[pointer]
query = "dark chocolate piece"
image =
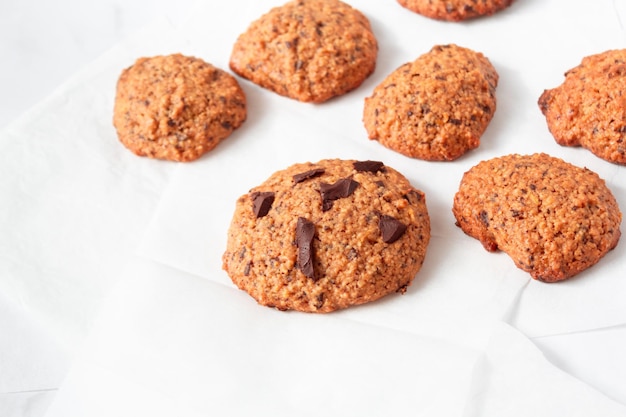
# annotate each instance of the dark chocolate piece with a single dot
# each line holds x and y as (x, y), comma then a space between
(341, 189)
(413, 197)
(369, 166)
(484, 218)
(307, 175)
(320, 301)
(262, 203)
(305, 231)
(390, 228)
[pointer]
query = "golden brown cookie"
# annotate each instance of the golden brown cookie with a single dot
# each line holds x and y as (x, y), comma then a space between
(176, 107)
(455, 10)
(589, 108)
(552, 218)
(318, 237)
(309, 50)
(436, 107)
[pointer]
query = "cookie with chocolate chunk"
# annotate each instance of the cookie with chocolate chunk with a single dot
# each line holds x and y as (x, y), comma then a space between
(317, 237)
(308, 50)
(436, 107)
(455, 10)
(552, 218)
(589, 108)
(176, 107)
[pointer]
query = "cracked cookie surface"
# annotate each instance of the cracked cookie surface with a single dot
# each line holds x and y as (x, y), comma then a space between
(308, 50)
(589, 108)
(436, 107)
(318, 237)
(552, 218)
(176, 107)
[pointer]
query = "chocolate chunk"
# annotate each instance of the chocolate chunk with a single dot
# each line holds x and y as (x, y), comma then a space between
(390, 228)
(262, 203)
(320, 301)
(369, 166)
(402, 289)
(341, 189)
(484, 218)
(307, 175)
(413, 197)
(305, 231)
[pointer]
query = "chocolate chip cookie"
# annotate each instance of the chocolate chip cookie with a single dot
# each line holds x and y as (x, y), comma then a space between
(308, 50)
(589, 108)
(552, 218)
(436, 107)
(318, 237)
(176, 107)
(455, 10)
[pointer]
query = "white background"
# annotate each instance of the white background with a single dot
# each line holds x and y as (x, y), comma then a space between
(42, 44)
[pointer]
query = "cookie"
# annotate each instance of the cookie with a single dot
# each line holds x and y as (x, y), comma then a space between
(455, 10)
(436, 107)
(318, 237)
(176, 107)
(308, 50)
(589, 108)
(552, 218)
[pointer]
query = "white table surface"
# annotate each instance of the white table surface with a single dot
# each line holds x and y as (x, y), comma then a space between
(42, 44)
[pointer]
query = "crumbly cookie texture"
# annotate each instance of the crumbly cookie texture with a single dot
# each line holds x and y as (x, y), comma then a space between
(308, 50)
(436, 107)
(552, 218)
(589, 108)
(176, 107)
(317, 237)
(455, 10)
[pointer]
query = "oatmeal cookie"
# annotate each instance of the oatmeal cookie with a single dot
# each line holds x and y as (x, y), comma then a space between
(589, 108)
(176, 107)
(318, 237)
(308, 50)
(455, 10)
(552, 218)
(436, 107)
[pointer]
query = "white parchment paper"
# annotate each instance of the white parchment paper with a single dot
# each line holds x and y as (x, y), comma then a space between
(169, 343)
(73, 202)
(531, 44)
(82, 218)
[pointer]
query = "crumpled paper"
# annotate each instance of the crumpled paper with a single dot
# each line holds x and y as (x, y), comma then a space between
(177, 337)
(170, 343)
(75, 203)
(459, 279)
